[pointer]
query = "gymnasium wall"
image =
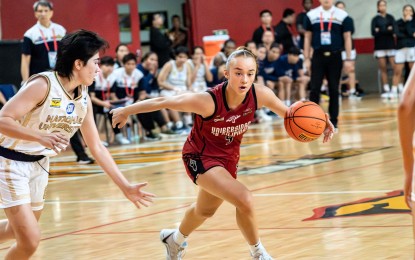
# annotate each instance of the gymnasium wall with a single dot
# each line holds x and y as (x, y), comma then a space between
(96, 15)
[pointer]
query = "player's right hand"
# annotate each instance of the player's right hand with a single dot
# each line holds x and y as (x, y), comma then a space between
(119, 119)
(54, 141)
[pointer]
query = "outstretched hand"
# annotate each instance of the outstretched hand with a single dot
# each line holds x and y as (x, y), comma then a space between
(119, 118)
(139, 197)
(329, 131)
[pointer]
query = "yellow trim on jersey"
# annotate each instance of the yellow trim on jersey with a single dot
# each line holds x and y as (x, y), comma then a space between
(25, 122)
(66, 92)
(47, 92)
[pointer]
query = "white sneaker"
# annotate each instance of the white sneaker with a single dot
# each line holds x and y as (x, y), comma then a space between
(385, 95)
(119, 138)
(174, 251)
(261, 255)
(263, 117)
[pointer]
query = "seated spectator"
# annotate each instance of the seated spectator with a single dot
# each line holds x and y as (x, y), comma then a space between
(228, 47)
(266, 25)
(252, 46)
(127, 79)
(218, 74)
(268, 39)
(177, 34)
(120, 51)
(289, 70)
(200, 70)
(102, 92)
(267, 73)
(174, 79)
(148, 88)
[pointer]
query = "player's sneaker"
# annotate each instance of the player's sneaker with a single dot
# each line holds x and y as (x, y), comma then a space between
(261, 255)
(174, 251)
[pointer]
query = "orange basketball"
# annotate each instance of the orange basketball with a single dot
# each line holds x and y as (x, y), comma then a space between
(305, 121)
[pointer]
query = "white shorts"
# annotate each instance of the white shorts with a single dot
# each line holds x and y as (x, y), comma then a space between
(352, 55)
(170, 93)
(384, 53)
(405, 55)
(23, 183)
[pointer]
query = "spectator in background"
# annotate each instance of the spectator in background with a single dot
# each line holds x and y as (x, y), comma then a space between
(120, 51)
(39, 50)
(266, 25)
(405, 47)
(127, 78)
(268, 39)
(228, 47)
(40, 42)
(160, 42)
(267, 73)
(177, 34)
(200, 70)
(328, 33)
(383, 29)
(284, 30)
(147, 89)
(102, 92)
(351, 74)
(252, 47)
(174, 79)
(289, 71)
(307, 5)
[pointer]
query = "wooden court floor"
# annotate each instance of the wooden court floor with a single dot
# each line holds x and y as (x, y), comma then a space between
(340, 200)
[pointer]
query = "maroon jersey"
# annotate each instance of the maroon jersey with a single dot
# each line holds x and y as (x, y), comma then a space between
(220, 135)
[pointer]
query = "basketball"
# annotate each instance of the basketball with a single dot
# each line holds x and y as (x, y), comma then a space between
(305, 121)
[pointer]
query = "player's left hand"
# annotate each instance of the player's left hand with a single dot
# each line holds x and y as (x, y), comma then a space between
(119, 118)
(329, 131)
(137, 196)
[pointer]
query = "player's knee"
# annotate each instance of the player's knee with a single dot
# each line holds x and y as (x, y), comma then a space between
(246, 203)
(28, 242)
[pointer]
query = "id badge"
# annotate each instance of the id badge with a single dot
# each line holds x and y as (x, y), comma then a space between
(129, 101)
(52, 59)
(106, 110)
(325, 38)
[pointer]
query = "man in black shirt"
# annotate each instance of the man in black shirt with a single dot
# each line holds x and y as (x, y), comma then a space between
(160, 42)
(266, 25)
(307, 4)
(328, 32)
(284, 30)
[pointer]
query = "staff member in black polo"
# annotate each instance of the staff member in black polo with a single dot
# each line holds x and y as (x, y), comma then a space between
(328, 32)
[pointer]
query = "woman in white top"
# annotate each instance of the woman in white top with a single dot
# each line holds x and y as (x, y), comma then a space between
(175, 78)
(200, 70)
(54, 105)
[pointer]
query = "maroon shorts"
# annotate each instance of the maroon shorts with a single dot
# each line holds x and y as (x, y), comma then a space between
(196, 164)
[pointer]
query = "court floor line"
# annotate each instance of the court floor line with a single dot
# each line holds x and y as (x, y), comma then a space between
(236, 229)
(184, 206)
(194, 197)
(324, 174)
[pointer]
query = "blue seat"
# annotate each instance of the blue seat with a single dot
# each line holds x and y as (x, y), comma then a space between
(8, 90)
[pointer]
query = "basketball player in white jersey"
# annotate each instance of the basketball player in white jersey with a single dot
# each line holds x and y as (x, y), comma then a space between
(36, 124)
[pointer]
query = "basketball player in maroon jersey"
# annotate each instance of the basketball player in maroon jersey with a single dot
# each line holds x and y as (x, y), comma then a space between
(211, 152)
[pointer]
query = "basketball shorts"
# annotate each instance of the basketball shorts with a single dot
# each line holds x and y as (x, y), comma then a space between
(405, 55)
(384, 53)
(196, 165)
(352, 55)
(23, 183)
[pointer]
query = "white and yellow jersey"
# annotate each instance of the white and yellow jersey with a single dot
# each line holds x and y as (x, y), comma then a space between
(58, 112)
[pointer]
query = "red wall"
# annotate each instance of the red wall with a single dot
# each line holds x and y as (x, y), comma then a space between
(240, 17)
(96, 15)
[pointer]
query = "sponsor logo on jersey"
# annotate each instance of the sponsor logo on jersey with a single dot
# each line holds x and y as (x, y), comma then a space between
(56, 102)
(233, 118)
(392, 203)
(247, 111)
(218, 119)
(70, 108)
